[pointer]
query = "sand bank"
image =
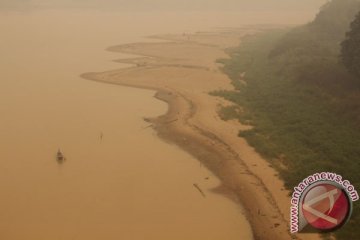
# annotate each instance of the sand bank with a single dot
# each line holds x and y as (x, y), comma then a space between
(183, 71)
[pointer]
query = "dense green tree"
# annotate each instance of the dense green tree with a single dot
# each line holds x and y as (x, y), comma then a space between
(350, 51)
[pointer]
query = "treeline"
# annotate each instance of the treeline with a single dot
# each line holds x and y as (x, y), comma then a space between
(302, 95)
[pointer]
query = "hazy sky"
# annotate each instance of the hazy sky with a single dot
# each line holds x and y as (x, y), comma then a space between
(185, 5)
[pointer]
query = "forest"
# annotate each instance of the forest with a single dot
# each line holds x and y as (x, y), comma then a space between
(300, 90)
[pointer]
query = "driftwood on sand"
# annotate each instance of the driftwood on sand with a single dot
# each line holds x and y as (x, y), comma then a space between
(199, 189)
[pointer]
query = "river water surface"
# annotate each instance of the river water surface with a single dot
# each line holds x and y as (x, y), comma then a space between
(126, 185)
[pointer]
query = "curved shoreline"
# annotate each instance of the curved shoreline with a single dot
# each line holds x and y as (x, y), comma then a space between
(185, 124)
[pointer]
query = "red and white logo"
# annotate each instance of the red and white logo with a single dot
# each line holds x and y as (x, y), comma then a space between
(326, 206)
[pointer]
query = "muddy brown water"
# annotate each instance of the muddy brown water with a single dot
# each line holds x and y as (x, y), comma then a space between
(119, 181)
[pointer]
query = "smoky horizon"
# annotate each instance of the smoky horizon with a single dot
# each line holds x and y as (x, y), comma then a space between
(173, 5)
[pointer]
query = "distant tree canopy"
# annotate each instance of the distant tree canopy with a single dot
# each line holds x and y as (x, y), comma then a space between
(323, 34)
(350, 51)
(310, 53)
(335, 17)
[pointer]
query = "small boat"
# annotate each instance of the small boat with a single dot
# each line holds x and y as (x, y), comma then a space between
(60, 156)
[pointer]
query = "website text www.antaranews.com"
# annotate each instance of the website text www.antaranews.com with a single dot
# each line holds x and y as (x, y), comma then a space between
(302, 186)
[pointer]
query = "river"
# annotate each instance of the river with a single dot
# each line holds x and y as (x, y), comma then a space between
(119, 180)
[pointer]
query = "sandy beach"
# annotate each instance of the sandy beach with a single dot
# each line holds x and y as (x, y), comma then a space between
(183, 70)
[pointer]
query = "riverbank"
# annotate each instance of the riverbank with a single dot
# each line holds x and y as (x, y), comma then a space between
(183, 70)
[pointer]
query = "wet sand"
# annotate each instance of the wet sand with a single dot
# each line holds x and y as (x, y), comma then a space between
(183, 70)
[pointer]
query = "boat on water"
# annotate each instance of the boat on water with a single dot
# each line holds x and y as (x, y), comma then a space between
(60, 156)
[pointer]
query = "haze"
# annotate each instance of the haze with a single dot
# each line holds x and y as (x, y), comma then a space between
(185, 5)
(87, 160)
